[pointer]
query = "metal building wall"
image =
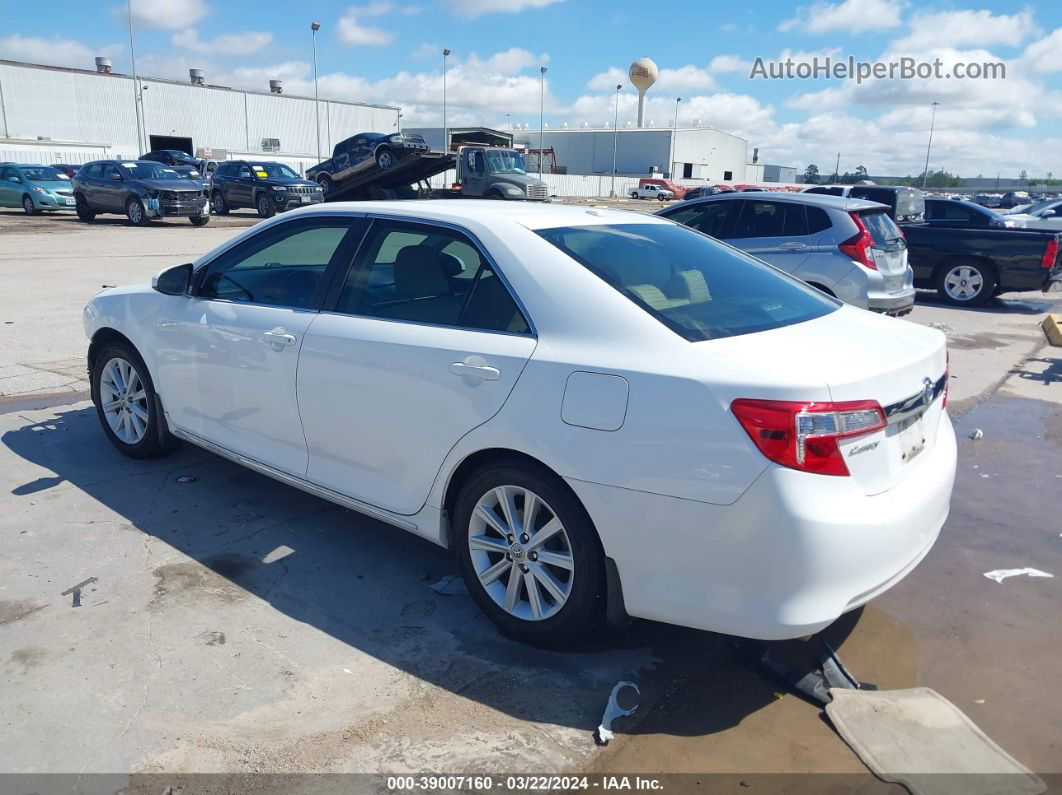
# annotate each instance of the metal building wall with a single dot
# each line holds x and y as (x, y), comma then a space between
(717, 151)
(75, 106)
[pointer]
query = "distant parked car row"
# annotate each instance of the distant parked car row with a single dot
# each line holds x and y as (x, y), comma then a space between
(34, 188)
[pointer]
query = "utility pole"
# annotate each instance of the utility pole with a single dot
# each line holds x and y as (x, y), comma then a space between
(314, 27)
(932, 122)
(541, 117)
(137, 99)
(615, 142)
(837, 169)
(446, 133)
(674, 134)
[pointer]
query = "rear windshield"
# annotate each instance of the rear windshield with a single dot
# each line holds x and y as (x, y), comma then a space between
(882, 229)
(698, 287)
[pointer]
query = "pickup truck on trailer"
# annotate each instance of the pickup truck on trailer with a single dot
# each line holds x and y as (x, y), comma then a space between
(967, 267)
(362, 152)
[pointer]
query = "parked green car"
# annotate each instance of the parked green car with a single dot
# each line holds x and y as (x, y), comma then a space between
(35, 188)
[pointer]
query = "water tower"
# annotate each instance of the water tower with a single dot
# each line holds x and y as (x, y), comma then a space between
(643, 74)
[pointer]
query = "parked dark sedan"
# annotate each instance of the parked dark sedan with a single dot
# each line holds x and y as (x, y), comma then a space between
(172, 157)
(268, 187)
(141, 190)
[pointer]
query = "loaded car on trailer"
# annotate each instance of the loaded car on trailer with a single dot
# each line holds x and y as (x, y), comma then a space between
(363, 151)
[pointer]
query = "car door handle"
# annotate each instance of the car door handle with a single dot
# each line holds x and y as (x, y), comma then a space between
(475, 367)
(279, 338)
(793, 246)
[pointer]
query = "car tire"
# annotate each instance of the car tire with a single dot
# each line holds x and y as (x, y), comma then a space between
(218, 203)
(661, 197)
(385, 158)
(28, 207)
(81, 207)
(966, 283)
(634, 194)
(199, 220)
(326, 183)
(501, 575)
(126, 406)
(266, 208)
(495, 195)
(135, 212)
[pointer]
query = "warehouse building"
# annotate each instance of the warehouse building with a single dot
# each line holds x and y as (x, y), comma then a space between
(700, 153)
(60, 115)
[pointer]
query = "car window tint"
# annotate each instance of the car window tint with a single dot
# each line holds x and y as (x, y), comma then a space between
(427, 274)
(698, 287)
(283, 266)
(882, 228)
(765, 219)
(709, 218)
(245, 172)
(818, 220)
(110, 171)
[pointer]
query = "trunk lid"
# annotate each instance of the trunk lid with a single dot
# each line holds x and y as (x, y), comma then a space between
(858, 355)
(889, 248)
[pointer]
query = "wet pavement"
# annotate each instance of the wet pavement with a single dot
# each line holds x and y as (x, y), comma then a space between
(991, 648)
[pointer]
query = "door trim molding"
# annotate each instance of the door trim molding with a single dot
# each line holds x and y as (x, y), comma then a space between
(297, 482)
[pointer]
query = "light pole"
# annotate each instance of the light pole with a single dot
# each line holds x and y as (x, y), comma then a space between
(446, 132)
(541, 117)
(508, 122)
(615, 142)
(314, 27)
(674, 134)
(137, 99)
(932, 122)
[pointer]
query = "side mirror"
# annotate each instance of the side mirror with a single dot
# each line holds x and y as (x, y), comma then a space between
(16, 179)
(1048, 214)
(174, 281)
(117, 177)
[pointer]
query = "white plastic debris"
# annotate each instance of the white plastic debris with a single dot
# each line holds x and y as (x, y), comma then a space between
(1001, 574)
(613, 711)
(977, 434)
(450, 585)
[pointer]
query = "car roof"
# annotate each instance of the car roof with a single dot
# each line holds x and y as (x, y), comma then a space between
(465, 212)
(823, 200)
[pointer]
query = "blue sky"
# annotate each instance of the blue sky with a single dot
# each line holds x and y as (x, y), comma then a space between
(390, 51)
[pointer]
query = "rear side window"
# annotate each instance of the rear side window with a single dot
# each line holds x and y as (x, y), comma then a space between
(770, 219)
(818, 220)
(827, 191)
(882, 228)
(709, 217)
(698, 287)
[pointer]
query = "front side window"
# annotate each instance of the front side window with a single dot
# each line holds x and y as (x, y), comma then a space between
(698, 287)
(427, 274)
(283, 266)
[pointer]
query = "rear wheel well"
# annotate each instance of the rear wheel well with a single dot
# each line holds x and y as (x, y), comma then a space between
(479, 460)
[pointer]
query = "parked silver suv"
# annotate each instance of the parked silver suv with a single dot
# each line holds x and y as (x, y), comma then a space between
(849, 248)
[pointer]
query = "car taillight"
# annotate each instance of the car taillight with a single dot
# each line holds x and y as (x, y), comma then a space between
(1050, 254)
(858, 245)
(804, 436)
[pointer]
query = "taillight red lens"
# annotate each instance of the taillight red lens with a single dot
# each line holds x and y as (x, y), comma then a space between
(1050, 254)
(858, 245)
(804, 436)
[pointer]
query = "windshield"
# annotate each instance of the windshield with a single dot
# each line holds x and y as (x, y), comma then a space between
(193, 175)
(148, 170)
(698, 287)
(45, 174)
(506, 163)
(267, 170)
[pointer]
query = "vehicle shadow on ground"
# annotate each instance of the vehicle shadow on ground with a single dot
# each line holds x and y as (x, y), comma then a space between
(367, 584)
(996, 305)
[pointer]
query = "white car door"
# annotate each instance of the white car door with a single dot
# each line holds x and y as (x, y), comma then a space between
(423, 342)
(228, 353)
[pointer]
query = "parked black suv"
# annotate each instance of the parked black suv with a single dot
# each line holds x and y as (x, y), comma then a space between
(141, 189)
(268, 187)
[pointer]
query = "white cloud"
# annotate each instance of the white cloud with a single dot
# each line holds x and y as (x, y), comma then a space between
(52, 52)
(171, 15)
(1041, 56)
(722, 64)
(476, 8)
(227, 44)
(848, 16)
(956, 28)
(351, 31)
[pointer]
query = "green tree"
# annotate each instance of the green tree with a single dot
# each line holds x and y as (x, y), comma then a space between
(811, 174)
(1023, 177)
(861, 172)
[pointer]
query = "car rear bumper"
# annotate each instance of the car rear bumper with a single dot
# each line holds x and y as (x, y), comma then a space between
(794, 553)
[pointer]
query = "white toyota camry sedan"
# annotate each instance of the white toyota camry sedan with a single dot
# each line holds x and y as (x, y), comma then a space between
(604, 414)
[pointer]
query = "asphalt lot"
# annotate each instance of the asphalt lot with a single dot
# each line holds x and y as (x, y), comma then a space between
(234, 624)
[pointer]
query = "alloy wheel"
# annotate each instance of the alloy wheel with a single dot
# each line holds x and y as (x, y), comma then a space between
(124, 401)
(963, 283)
(28, 206)
(385, 160)
(521, 553)
(136, 212)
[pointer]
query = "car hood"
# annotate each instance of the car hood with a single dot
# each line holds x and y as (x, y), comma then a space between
(52, 184)
(287, 182)
(167, 184)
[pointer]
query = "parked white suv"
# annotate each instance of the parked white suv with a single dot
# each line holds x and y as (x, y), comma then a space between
(602, 413)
